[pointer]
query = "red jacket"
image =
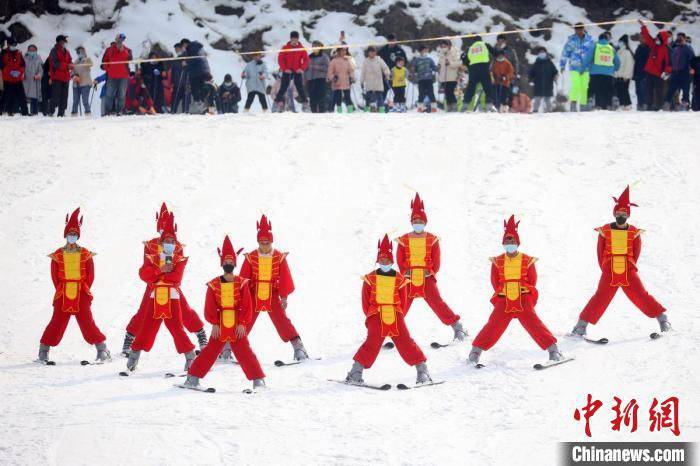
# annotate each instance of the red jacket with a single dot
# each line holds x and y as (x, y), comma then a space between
(658, 62)
(12, 61)
(59, 64)
(293, 61)
(119, 70)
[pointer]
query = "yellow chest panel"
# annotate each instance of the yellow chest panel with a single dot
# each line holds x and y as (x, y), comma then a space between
(227, 295)
(385, 289)
(417, 248)
(618, 238)
(512, 267)
(71, 265)
(264, 268)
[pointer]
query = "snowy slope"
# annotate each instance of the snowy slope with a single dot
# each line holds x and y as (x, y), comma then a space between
(332, 185)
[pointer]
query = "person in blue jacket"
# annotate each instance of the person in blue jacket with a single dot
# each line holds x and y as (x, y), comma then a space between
(103, 92)
(577, 47)
(682, 55)
(602, 62)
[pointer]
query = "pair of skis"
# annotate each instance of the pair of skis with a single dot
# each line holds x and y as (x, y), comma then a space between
(386, 386)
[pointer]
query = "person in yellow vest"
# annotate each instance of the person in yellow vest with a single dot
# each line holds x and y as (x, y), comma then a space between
(514, 281)
(384, 302)
(619, 247)
(418, 258)
(478, 58)
(602, 61)
(398, 85)
(72, 273)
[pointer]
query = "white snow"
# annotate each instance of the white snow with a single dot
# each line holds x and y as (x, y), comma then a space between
(332, 185)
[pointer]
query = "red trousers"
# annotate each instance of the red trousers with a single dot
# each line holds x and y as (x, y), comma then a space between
(241, 349)
(59, 321)
(146, 335)
(436, 303)
(190, 319)
(636, 293)
(279, 319)
(407, 347)
(499, 321)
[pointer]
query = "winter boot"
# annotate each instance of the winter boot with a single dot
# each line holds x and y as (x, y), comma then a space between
(460, 333)
(103, 354)
(126, 347)
(299, 350)
(491, 108)
(355, 374)
(382, 109)
(580, 328)
(339, 109)
(474, 355)
(189, 359)
(43, 352)
(133, 360)
(422, 374)
(202, 338)
(664, 324)
(554, 353)
(351, 108)
(259, 384)
(666, 107)
(191, 381)
(573, 107)
(226, 352)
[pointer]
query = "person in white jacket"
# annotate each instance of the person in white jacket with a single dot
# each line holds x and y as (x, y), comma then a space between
(448, 72)
(624, 74)
(374, 72)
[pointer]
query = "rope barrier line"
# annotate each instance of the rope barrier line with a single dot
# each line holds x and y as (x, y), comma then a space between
(374, 44)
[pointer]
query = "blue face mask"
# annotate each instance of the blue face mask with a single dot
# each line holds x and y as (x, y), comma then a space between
(168, 248)
(385, 268)
(72, 239)
(510, 248)
(418, 227)
(542, 56)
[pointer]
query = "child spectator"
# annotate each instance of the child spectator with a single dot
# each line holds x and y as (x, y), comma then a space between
(341, 74)
(210, 95)
(398, 85)
(229, 95)
(103, 93)
(503, 73)
(82, 81)
(138, 100)
(315, 76)
(625, 73)
(520, 102)
(374, 72)
(32, 78)
(542, 75)
(423, 71)
(255, 74)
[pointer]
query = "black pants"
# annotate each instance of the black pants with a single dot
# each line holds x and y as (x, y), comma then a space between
(340, 96)
(180, 94)
(425, 89)
(622, 89)
(317, 95)
(502, 95)
(479, 73)
(15, 98)
(399, 94)
(284, 85)
(696, 95)
(251, 97)
(602, 88)
(654, 92)
(450, 97)
(59, 98)
(197, 87)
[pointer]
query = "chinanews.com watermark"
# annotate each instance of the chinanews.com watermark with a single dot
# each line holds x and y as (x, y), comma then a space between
(616, 453)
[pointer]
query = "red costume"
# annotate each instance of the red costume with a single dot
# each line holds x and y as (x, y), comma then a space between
(72, 272)
(618, 251)
(190, 319)
(163, 297)
(514, 281)
(384, 302)
(418, 257)
(228, 305)
(270, 282)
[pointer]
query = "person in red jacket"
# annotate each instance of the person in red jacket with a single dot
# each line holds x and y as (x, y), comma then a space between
(60, 66)
(619, 247)
(228, 307)
(138, 99)
(418, 258)
(163, 274)
(514, 281)
(293, 61)
(72, 272)
(190, 319)
(13, 68)
(113, 62)
(657, 67)
(270, 284)
(384, 303)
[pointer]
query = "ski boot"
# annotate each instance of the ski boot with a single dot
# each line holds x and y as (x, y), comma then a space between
(355, 375)
(474, 355)
(133, 360)
(43, 353)
(579, 329)
(191, 381)
(554, 353)
(664, 324)
(126, 347)
(189, 359)
(422, 374)
(573, 107)
(339, 109)
(202, 338)
(299, 350)
(259, 384)
(103, 354)
(460, 333)
(226, 352)
(351, 108)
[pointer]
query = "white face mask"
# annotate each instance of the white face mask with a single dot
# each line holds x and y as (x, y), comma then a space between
(542, 55)
(510, 248)
(418, 227)
(385, 268)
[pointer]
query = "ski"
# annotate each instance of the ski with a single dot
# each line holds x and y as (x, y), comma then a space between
(402, 386)
(599, 341)
(280, 363)
(125, 373)
(436, 345)
(657, 335)
(45, 362)
(170, 375)
(197, 389)
(384, 387)
(547, 364)
(388, 345)
(85, 362)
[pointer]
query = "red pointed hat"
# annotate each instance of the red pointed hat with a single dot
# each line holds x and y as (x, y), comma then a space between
(418, 209)
(385, 249)
(169, 226)
(264, 229)
(73, 223)
(226, 251)
(511, 229)
(623, 202)
(160, 217)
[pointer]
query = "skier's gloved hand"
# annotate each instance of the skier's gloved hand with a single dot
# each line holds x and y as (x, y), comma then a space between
(215, 332)
(14, 74)
(156, 72)
(240, 331)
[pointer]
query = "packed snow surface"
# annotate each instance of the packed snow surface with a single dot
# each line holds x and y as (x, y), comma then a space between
(332, 185)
